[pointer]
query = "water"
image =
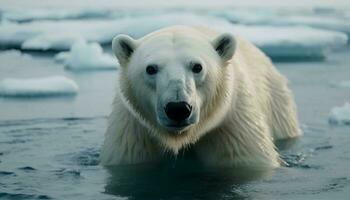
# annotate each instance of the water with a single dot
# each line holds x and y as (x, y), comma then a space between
(49, 147)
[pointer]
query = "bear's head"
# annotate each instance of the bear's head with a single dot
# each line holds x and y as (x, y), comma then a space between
(175, 81)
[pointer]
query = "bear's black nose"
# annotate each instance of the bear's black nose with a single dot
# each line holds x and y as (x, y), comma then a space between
(178, 111)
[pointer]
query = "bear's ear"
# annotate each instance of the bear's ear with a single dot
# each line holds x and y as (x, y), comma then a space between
(123, 46)
(225, 46)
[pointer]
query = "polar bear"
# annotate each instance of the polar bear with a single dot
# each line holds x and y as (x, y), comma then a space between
(182, 87)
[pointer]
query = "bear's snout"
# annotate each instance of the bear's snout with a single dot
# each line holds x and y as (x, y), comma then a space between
(178, 111)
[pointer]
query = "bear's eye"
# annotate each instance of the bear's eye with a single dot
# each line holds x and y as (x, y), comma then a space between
(151, 69)
(196, 68)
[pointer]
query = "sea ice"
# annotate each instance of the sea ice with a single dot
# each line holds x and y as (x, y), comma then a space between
(340, 115)
(322, 22)
(38, 87)
(275, 41)
(25, 15)
(55, 35)
(51, 41)
(84, 56)
(252, 17)
(292, 41)
(62, 56)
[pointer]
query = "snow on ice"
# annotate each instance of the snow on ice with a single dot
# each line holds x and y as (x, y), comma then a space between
(25, 15)
(84, 56)
(340, 115)
(38, 87)
(60, 35)
(297, 41)
(256, 17)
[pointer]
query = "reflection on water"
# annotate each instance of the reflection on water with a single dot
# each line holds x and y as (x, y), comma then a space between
(286, 144)
(183, 180)
(42, 159)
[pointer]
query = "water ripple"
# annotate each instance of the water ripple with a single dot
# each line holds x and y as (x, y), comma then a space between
(20, 196)
(6, 173)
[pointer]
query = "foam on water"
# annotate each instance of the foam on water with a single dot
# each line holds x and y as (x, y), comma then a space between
(340, 115)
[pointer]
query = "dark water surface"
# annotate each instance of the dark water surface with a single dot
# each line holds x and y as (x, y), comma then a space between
(49, 147)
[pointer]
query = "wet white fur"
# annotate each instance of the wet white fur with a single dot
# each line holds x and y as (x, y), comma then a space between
(245, 105)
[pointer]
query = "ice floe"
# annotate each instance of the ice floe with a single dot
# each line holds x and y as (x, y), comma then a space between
(252, 17)
(55, 35)
(296, 41)
(340, 115)
(26, 15)
(38, 87)
(60, 35)
(54, 41)
(322, 22)
(84, 56)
